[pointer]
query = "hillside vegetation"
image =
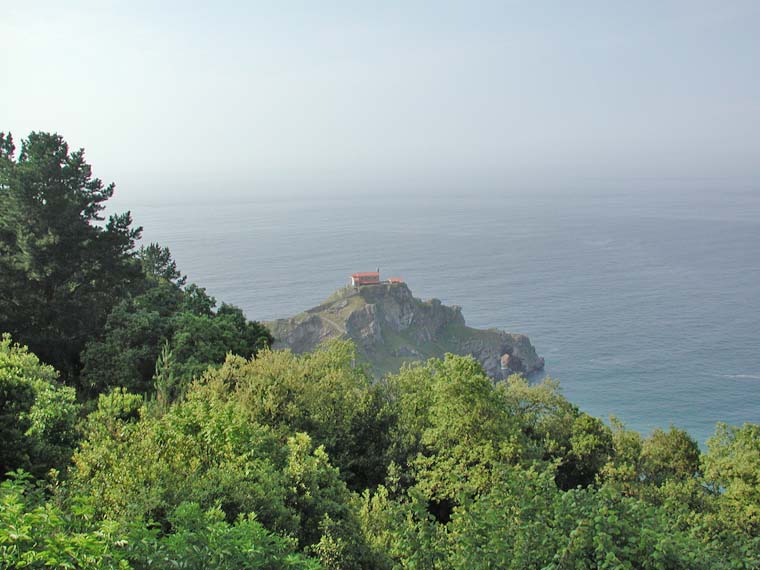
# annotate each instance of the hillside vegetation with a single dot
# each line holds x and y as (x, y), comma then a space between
(143, 426)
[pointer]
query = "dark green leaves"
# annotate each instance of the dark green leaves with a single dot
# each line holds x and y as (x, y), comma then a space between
(61, 271)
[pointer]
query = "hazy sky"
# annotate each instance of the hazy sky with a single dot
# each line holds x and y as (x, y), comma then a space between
(321, 96)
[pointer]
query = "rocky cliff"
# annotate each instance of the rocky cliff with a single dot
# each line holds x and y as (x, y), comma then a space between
(390, 326)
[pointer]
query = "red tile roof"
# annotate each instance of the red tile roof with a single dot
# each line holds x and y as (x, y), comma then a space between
(367, 274)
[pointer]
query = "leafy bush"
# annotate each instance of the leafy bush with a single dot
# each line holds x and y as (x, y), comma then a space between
(37, 414)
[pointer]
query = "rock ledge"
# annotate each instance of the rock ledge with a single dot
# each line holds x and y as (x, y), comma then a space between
(390, 326)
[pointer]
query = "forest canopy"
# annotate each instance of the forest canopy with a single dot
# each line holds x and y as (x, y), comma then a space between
(145, 425)
(77, 290)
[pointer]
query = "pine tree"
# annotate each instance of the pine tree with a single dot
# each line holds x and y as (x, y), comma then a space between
(63, 266)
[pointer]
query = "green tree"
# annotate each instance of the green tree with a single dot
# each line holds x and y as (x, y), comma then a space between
(668, 455)
(527, 522)
(448, 407)
(591, 448)
(453, 429)
(62, 265)
(322, 394)
(546, 417)
(165, 381)
(39, 534)
(401, 530)
(625, 466)
(204, 539)
(200, 450)
(198, 341)
(37, 415)
(138, 327)
(157, 264)
(205, 449)
(732, 468)
(126, 353)
(524, 521)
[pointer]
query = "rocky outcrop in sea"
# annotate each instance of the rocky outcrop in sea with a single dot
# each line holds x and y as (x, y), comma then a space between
(390, 326)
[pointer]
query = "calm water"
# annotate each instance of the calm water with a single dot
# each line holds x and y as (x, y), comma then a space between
(646, 304)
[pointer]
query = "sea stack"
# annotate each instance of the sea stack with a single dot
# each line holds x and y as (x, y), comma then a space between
(390, 326)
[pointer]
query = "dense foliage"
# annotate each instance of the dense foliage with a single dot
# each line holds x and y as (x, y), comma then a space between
(37, 414)
(39, 534)
(77, 291)
(146, 428)
(166, 316)
(61, 269)
(304, 459)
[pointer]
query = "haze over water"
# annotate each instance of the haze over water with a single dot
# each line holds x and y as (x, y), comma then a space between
(640, 285)
(645, 303)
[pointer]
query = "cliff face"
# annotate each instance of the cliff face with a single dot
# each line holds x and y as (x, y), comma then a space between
(390, 326)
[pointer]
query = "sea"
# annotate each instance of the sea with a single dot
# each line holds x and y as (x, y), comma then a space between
(644, 298)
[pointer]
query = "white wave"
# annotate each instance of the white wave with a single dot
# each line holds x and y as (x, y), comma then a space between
(743, 376)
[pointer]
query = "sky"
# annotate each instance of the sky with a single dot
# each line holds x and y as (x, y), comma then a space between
(268, 98)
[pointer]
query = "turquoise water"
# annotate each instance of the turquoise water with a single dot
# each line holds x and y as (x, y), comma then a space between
(645, 304)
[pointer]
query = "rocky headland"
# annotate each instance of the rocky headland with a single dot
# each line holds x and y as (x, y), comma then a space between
(390, 326)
